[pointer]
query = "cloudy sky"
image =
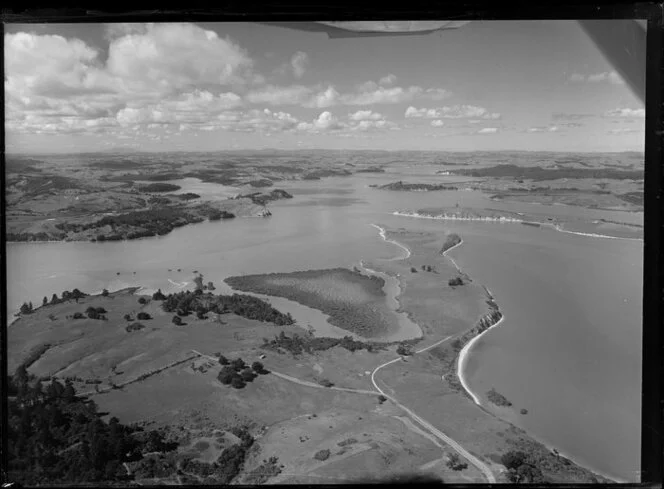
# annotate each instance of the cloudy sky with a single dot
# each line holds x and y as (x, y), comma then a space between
(527, 85)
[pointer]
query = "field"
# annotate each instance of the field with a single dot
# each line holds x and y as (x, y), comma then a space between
(319, 414)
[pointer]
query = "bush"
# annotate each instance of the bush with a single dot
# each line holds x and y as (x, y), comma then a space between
(325, 383)
(128, 317)
(142, 300)
(403, 350)
(258, 367)
(513, 459)
(223, 360)
(413, 269)
(134, 327)
(226, 375)
(177, 320)
(498, 399)
(455, 281)
(238, 364)
(524, 411)
(237, 382)
(158, 296)
(454, 462)
(247, 375)
(382, 399)
(79, 315)
(143, 315)
(322, 455)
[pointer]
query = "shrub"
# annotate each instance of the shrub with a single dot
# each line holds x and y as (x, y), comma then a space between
(524, 411)
(325, 383)
(498, 399)
(142, 300)
(237, 382)
(143, 315)
(247, 375)
(177, 320)
(382, 399)
(258, 367)
(238, 364)
(128, 317)
(79, 315)
(403, 350)
(413, 269)
(513, 459)
(455, 281)
(322, 455)
(454, 462)
(226, 375)
(158, 296)
(134, 327)
(223, 360)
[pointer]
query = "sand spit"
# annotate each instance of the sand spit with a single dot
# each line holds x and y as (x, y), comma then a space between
(455, 217)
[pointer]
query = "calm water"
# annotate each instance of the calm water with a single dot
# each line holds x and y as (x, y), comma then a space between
(569, 350)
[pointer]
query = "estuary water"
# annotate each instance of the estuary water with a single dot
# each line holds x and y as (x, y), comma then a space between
(569, 349)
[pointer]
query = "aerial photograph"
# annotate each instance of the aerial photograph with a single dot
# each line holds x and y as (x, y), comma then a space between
(324, 252)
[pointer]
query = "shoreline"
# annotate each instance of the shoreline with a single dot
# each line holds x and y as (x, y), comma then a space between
(462, 360)
(556, 227)
(381, 232)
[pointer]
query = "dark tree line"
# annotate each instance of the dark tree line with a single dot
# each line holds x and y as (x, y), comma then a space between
(58, 437)
(297, 344)
(187, 302)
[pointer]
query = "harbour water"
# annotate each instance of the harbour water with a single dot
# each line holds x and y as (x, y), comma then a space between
(569, 349)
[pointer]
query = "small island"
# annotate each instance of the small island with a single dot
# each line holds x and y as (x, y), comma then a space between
(416, 187)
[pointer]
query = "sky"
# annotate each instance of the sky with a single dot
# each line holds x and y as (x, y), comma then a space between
(488, 85)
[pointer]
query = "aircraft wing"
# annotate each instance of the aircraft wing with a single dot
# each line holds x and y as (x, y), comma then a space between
(624, 47)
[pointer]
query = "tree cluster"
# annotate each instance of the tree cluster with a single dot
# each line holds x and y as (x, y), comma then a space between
(454, 462)
(250, 307)
(521, 469)
(56, 437)
(297, 344)
(237, 373)
(453, 282)
(96, 313)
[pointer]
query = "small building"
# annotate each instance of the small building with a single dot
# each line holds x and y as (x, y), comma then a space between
(262, 357)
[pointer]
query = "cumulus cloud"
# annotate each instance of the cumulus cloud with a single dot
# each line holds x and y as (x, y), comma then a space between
(365, 115)
(388, 80)
(168, 57)
(327, 98)
(488, 130)
(452, 112)
(324, 122)
(153, 73)
(542, 129)
(298, 63)
(605, 77)
(381, 95)
(626, 113)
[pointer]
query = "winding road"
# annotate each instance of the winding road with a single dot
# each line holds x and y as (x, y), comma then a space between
(428, 426)
(421, 421)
